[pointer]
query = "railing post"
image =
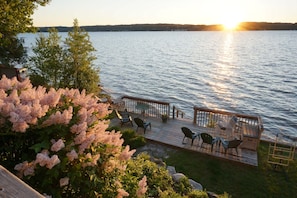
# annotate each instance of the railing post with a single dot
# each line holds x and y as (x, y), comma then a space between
(195, 115)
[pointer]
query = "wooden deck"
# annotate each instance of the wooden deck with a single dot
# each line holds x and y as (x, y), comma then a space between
(170, 134)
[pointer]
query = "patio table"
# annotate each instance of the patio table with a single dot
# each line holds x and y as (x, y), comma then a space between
(142, 107)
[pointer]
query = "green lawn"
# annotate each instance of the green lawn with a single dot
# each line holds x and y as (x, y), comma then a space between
(236, 179)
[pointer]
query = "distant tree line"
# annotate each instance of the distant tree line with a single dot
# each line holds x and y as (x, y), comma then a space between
(179, 27)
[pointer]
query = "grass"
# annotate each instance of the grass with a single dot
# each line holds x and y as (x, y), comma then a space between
(236, 179)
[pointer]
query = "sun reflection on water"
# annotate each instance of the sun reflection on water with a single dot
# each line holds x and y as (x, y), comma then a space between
(224, 72)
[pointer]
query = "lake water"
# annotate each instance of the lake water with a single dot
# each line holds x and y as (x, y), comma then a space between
(252, 72)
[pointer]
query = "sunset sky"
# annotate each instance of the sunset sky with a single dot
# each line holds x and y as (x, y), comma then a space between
(115, 12)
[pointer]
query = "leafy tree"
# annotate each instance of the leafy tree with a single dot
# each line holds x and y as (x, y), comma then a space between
(47, 66)
(81, 74)
(12, 50)
(15, 17)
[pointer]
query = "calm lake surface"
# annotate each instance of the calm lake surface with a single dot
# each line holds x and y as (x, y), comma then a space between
(253, 72)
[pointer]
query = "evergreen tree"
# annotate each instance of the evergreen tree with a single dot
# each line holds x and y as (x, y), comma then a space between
(81, 73)
(47, 65)
(70, 65)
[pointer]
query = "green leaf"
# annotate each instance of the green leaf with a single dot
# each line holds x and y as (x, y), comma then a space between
(38, 147)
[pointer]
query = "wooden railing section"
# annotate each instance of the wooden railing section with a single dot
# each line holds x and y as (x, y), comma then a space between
(250, 127)
(152, 108)
(176, 112)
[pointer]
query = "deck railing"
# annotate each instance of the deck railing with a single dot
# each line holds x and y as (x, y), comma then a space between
(152, 108)
(176, 112)
(209, 117)
(249, 127)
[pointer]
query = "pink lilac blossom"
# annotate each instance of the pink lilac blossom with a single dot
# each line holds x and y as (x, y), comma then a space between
(25, 84)
(72, 155)
(51, 98)
(91, 160)
(25, 168)
(29, 170)
(58, 145)
(28, 96)
(6, 83)
(64, 181)
(13, 97)
(3, 94)
(87, 142)
(42, 159)
(37, 110)
(78, 128)
(80, 137)
(59, 118)
(20, 126)
(126, 153)
(142, 187)
(6, 108)
(83, 114)
(34, 103)
(53, 161)
(122, 193)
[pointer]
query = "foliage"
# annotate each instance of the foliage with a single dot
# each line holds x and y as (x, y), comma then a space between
(57, 141)
(48, 65)
(69, 65)
(170, 193)
(12, 50)
(132, 139)
(113, 128)
(164, 117)
(81, 75)
(198, 194)
(15, 17)
(158, 178)
(183, 186)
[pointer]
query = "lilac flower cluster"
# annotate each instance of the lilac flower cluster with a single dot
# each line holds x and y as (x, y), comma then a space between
(24, 106)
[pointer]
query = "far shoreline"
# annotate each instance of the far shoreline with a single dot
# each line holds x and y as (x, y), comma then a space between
(244, 26)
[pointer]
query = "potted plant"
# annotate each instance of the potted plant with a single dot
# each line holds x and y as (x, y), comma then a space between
(164, 117)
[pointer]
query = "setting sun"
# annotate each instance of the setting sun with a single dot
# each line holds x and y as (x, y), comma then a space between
(230, 25)
(231, 16)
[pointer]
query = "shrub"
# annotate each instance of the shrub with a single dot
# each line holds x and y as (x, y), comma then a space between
(183, 186)
(113, 128)
(58, 142)
(157, 178)
(132, 139)
(198, 194)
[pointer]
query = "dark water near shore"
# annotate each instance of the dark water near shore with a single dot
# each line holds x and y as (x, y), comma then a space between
(252, 72)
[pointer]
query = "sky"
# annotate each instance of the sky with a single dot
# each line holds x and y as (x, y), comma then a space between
(196, 12)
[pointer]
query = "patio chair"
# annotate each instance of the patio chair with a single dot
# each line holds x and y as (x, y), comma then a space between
(141, 124)
(229, 144)
(189, 134)
(208, 139)
(124, 117)
(227, 127)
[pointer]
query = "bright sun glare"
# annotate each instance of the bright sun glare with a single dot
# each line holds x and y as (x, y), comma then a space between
(230, 24)
(230, 18)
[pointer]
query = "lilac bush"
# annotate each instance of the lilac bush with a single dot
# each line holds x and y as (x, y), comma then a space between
(59, 143)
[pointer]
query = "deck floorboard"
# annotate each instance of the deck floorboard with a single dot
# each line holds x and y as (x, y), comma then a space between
(170, 134)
